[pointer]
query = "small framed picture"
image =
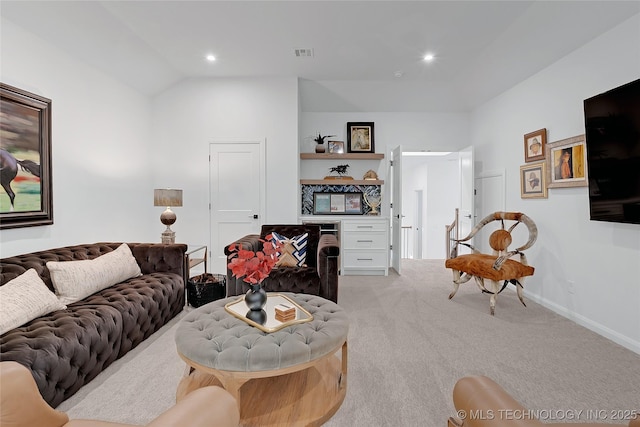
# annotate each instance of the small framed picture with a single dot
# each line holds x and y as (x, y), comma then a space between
(336, 147)
(360, 137)
(534, 145)
(533, 181)
(321, 203)
(567, 163)
(337, 203)
(353, 203)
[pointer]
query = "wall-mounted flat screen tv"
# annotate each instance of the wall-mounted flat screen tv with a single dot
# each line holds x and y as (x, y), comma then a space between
(612, 129)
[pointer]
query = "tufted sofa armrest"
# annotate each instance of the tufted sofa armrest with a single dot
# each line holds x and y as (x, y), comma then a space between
(328, 251)
(158, 257)
(250, 242)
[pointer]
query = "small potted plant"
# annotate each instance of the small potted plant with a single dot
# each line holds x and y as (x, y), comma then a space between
(320, 142)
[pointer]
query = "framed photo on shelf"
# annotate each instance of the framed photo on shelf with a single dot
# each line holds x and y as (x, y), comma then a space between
(360, 137)
(533, 181)
(337, 203)
(567, 163)
(353, 203)
(25, 159)
(321, 203)
(336, 147)
(534, 145)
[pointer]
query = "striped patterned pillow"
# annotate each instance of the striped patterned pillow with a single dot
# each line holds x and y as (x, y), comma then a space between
(294, 250)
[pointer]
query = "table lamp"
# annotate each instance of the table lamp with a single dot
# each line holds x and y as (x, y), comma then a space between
(167, 197)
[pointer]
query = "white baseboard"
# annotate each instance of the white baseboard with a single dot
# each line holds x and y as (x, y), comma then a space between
(587, 323)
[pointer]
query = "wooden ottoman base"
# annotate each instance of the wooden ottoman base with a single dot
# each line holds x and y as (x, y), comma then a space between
(291, 398)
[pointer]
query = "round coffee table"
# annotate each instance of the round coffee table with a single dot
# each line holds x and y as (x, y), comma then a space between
(294, 376)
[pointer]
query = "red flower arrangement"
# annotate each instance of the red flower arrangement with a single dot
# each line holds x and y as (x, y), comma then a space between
(254, 267)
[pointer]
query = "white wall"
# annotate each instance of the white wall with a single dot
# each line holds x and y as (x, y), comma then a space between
(431, 175)
(188, 116)
(99, 144)
(601, 259)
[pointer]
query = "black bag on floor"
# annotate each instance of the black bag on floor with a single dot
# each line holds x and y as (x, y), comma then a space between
(204, 288)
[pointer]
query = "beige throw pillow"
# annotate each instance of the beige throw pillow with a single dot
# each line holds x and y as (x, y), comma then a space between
(25, 298)
(74, 280)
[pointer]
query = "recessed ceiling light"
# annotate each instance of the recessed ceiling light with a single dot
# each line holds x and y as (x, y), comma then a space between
(429, 57)
(398, 74)
(210, 58)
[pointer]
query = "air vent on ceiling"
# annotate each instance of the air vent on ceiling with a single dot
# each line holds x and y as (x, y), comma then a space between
(300, 52)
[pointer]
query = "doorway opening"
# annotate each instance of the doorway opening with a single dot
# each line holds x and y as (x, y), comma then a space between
(431, 189)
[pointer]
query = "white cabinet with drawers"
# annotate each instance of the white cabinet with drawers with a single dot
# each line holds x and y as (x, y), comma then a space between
(364, 246)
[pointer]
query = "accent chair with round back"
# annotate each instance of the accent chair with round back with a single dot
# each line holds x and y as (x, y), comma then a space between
(497, 267)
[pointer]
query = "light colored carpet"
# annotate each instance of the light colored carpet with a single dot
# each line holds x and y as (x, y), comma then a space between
(408, 345)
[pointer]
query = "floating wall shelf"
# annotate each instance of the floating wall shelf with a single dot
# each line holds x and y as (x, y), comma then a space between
(344, 156)
(341, 181)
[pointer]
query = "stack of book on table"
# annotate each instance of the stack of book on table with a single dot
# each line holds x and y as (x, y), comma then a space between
(284, 312)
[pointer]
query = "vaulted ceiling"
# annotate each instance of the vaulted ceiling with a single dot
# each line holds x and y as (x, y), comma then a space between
(481, 47)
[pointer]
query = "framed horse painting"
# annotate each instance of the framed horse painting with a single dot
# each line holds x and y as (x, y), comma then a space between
(25, 159)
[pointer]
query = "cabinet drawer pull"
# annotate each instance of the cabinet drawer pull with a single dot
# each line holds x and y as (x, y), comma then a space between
(365, 259)
(364, 241)
(365, 226)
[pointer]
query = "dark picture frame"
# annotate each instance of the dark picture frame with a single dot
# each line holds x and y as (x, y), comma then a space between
(360, 137)
(327, 203)
(535, 145)
(26, 149)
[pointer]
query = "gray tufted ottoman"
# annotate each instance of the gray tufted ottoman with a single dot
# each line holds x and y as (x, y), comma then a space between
(291, 377)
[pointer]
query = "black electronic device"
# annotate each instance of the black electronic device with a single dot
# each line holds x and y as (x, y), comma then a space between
(612, 131)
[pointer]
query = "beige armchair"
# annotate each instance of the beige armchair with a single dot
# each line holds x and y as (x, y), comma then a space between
(21, 405)
(480, 402)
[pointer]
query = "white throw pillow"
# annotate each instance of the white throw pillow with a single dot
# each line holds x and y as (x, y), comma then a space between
(74, 280)
(25, 298)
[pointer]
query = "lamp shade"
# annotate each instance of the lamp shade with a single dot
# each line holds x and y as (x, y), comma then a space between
(167, 197)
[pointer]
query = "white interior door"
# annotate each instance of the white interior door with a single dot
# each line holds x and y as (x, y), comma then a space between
(467, 193)
(417, 233)
(237, 194)
(396, 200)
(490, 197)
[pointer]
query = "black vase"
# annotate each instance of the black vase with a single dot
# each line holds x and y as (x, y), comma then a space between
(258, 316)
(255, 298)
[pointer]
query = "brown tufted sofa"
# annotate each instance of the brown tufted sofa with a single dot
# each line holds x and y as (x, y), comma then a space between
(66, 349)
(318, 277)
